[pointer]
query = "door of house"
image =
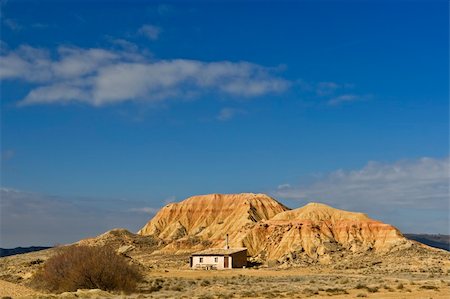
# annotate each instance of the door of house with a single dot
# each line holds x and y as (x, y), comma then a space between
(225, 262)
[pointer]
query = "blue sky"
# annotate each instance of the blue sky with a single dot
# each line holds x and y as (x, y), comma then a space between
(119, 107)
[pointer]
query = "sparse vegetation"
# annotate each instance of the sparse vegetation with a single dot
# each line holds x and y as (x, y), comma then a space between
(84, 267)
(429, 287)
(360, 286)
(310, 292)
(205, 283)
(168, 276)
(372, 289)
(336, 291)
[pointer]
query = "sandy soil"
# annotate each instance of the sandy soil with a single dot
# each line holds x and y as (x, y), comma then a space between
(170, 277)
(14, 290)
(188, 273)
(262, 283)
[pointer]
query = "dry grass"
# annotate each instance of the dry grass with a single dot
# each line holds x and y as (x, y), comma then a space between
(223, 284)
(169, 276)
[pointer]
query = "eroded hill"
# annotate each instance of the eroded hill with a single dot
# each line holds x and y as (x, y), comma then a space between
(268, 229)
(317, 230)
(210, 218)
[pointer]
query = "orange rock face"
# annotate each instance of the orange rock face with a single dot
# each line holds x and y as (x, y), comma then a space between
(270, 230)
(317, 229)
(211, 217)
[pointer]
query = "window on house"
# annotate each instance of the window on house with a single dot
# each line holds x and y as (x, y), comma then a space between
(201, 260)
(216, 259)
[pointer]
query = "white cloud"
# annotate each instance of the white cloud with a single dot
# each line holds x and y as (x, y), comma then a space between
(150, 31)
(229, 113)
(26, 63)
(75, 62)
(100, 77)
(395, 192)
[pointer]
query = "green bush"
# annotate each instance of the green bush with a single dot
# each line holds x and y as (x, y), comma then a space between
(84, 267)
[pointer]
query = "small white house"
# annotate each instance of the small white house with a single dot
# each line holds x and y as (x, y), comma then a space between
(219, 258)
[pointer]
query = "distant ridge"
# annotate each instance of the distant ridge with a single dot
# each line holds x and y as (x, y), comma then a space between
(437, 241)
(20, 250)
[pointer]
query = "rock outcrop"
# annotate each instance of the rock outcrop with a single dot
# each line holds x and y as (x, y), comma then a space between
(268, 229)
(120, 238)
(318, 230)
(211, 217)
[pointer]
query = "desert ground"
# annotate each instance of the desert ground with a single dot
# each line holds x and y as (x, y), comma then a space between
(170, 277)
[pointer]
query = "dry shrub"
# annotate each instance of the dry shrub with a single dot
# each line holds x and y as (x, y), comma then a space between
(310, 292)
(336, 291)
(429, 287)
(84, 267)
(205, 283)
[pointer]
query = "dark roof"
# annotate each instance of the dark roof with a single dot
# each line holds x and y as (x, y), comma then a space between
(219, 251)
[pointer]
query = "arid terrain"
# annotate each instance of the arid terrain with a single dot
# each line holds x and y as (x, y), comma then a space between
(313, 251)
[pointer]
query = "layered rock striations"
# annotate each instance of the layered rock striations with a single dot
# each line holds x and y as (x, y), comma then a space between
(211, 217)
(268, 229)
(318, 230)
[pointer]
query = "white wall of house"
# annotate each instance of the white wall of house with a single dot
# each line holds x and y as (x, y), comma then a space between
(217, 261)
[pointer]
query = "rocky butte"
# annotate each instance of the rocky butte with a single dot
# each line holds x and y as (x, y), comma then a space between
(270, 230)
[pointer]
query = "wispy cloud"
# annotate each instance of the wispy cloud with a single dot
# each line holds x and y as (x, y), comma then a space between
(283, 186)
(397, 192)
(124, 44)
(150, 31)
(228, 113)
(165, 9)
(169, 199)
(332, 93)
(327, 88)
(100, 77)
(39, 25)
(146, 210)
(8, 154)
(29, 218)
(12, 24)
(347, 98)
